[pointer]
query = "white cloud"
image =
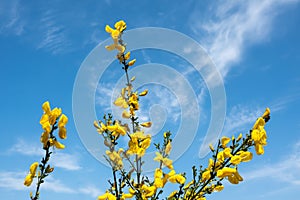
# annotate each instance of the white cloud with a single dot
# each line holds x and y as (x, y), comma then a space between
(62, 160)
(53, 35)
(66, 161)
(25, 148)
(15, 180)
(12, 180)
(281, 103)
(104, 95)
(56, 185)
(10, 17)
(239, 117)
(235, 25)
(286, 170)
(90, 190)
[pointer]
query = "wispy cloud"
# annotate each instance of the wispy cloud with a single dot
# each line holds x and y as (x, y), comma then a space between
(104, 95)
(282, 103)
(90, 190)
(62, 160)
(286, 170)
(10, 17)
(56, 185)
(66, 161)
(239, 117)
(25, 148)
(235, 25)
(12, 180)
(54, 37)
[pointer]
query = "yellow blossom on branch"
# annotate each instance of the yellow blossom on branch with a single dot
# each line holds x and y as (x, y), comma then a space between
(227, 155)
(32, 171)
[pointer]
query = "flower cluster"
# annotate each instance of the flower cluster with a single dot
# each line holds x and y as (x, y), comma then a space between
(50, 121)
(225, 160)
(226, 157)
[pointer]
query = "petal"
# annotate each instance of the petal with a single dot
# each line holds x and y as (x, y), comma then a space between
(62, 133)
(46, 107)
(108, 29)
(110, 47)
(130, 63)
(58, 145)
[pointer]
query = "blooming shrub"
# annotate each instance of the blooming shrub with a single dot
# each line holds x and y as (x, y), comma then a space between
(127, 184)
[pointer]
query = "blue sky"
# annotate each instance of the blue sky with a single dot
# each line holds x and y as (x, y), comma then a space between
(255, 46)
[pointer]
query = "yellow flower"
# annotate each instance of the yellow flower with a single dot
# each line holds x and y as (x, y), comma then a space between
(46, 126)
(33, 168)
(114, 46)
(116, 129)
(245, 156)
(133, 101)
(46, 108)
(44, 138)
(219, 188)
(227, 152)
(259, 136)
(100, 129)
(28, 180)
(235, 160)
(172, 194)
(205, 176)
(44, 119)
(62, 132)
(176, 178)
(120, 25)
(226, 171)
(159, 179)
(144, 93)
(57, 144)
(231, 173)
(148, 191)
(116, 34)
(130, 63)
(132, 79)
(63, 120)
(211, 147)
(224, 141)
(55, 113)
(138, 143)
(266, 113)
(188, 184)
(239, 137)
(121, 102)
(222, 155)
(127, 55)
(210, 164)
(146, 124)
(125, 114)
(107, 196)
(235, 178)
(166, 161)
(32, 171)
(260, 123)
(108, 29)
(168, 148)
(127, 196)
(115, 158)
